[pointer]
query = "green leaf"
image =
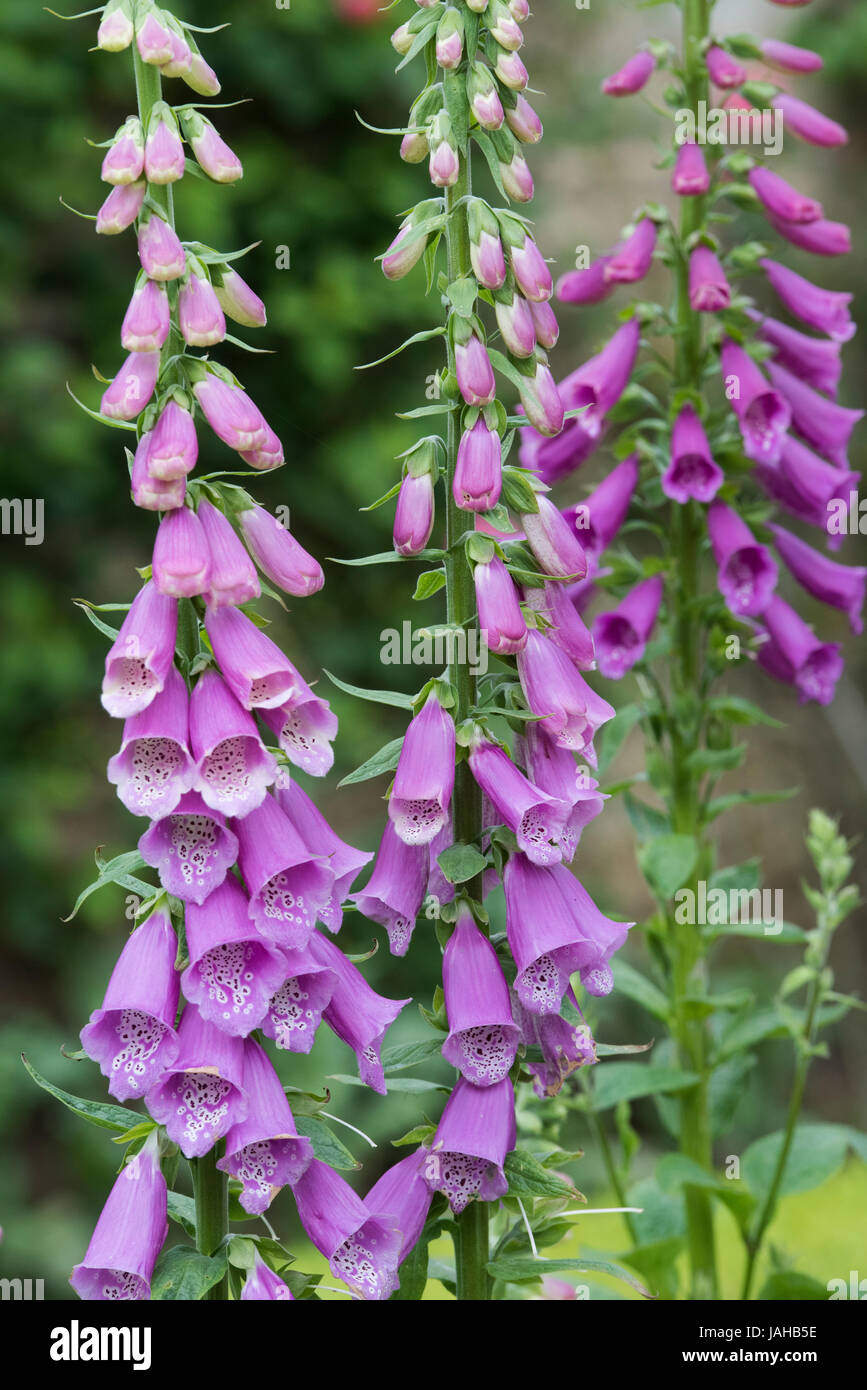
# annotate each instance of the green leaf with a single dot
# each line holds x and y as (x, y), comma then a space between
(413, 1274)
(618, 1081)
(667, 861)
(462, 294)
(406, 1055)
(817, 1152)
(117, 870)
(429, 583)
(790, 1285)
(182, 1209)
(523, 1269)
(455, 93)
(748, 1029)
(717, 760)
(421, 337)
(383, 761)
(388, 557)
(616, 731)
(527, 1177)
(739, 711)
(726, 1089)
(628, 981)
(326, 1145)
(675, 1171)
(98, 1112)
(88, 611)
(412, 1085)
(486, 145)
(183, 1274)
(646, 821)
(461, 862)
(657, 1263)
(719, 805)
(377, 697)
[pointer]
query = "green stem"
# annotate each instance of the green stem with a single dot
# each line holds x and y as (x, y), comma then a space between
(471, 1253)
(211, 1188)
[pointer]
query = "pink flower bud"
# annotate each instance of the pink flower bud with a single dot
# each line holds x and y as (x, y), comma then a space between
(200, 76)
(414, 514)
(488, 261)
(153, 40)
(149, 493)
(531, 271)
(515, 322)
(233, 579)
(121, 208)
(519, 10)
(268, 454)
(632, 260)
(449, 50)
(786, 57)
(478, 471)
(124, 161)
(414, 147)
(723, 69)
(404, 252)
(541, 401)
(237, 300)
(545, 324)
(821, 238)
(488, 109)
(690, 178)
(523, 122)
(505, 30)
(517, 179)
(174, 447)
(146, 322)
(553, 542)
(231, 414)
(781, 199)
(159, 249)
(164, 152)
(444, 165)
(474, 372)
(277, 553)
(588, 286)
(181, 559)
(709, 290)
(401, 39)
(219, 162)
(200, 317)
(182, 56)
(821, 309)
(500, 618)
(116, 31)
(132, 388)
(809, 123)
(511, 71)
(631, 77)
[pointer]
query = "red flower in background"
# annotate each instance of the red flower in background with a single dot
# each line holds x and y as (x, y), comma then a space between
(358, 11)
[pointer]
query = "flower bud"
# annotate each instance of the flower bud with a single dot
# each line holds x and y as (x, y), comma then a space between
(414, 147)
(517, 179)
(474, 371)
(553, 542)
(519, 10)
(786, 57)
(132, 388)
(236, 298)
(523, 122)
(277, 553)
(588, 286)
(181, 559)
(477, 6)
(529, 267)
(515, 322)
(500, 618)
(124, 161)
(268, 454)
(631, 260)
(200, 317)
(149, 493)
(723, 69)
(159, 249)
(414, 514)
(690, 178)
(478, 471)
(146, 322)
(511, 71)
(116, 30)
(541, 400)
(213, 154)
(233, 417)
(153, 38)
(121, 208)
(232, 576)
(450, 39)
(444, 165)
(164, 151)
(174, 447)
(631, 77)
(503, 27)
(486, 249)
(200, 76)
(545, 324)
(484, 98)
(407, 248)
(709, 290)
(401, 39)
(809, 123)
(781, 199)
(182, 55)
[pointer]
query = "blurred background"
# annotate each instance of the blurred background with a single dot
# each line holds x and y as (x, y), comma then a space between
(320, 184)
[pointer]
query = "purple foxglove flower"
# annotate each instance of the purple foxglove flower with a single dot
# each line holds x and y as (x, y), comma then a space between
(151, 493)
(289, 887)
(164, 151)
(142, 655)
(438, 885)
(173, 448)
(192, 849)
(764, 415)
(403, 1195)
(153, 39)
(233, 417)
(132, 1036)
(530, 270)
(277, 553)
(116, 30)
(344, 860)
(538, 820)
(690, 178)
(511, 72)
(262, 1285)
(200, 1096)
(709, 289)
(146, 322)
(264, 1150)
(621, 634)
(841, 586)
(237, 300)
(132, 388)
(567, 627)
(823, 423)
(253, 667)
(394, 893)
(153, 768)
(232, 579)
(482, 1039)
(691, 471)
(523, 122)
(552, 458)
(295, 1012)
(816, 361)
(361, 1249)
(820, 238)
(268, 454)
(475, 1133)
(305, 728)
(515, 322)
(200, 315)
(822, 309)
(566, 1046)
(232, 973)
(570, 712)
(723, 69)
(554, 544)
(161, 254)
(803, 483)
(414, 514)
(747, 574)
(422, 788)
(181, 559)
(478, 472)
(486, 248)
(585, 286)
(808, 123)
(795, 655)
(553, 769)
(600, 516)
(781, 199)
(605, 935)
(474, 372)
(786, 57)
(634, 75)
(124, 160)
(600, 382)
(214, 156)
(516, 178)
(500, 618)
(633, 258)
(444, 165)
(121, 208)
(545, 324)
(129, 1234)
(356, 1013)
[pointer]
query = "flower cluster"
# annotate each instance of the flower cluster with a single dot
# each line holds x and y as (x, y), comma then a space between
(245, 861)
(780, 425)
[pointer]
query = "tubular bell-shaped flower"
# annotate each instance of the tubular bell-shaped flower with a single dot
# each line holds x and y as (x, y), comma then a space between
(425, 775)
(129, 1234)
(288, 886)
(295, 1011)
(191, 848)
(343, 860)
(142, 655)
(361, 1248)
(356, 1013)
(474, 1135)
(747, 573)
(233, 768)
(620, 635)
(153, 768)
(482, 1039)
(264, 1150)
(538, 820)
(200, 1095)
(233, 973)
